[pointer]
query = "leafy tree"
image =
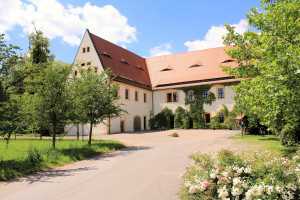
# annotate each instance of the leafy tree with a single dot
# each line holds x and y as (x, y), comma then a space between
(39, 48)
(96, 97)
(8, 56)
(9, 103)
(269, 65)
(51, 101)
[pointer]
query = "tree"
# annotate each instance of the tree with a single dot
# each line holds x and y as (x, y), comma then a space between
(269, 65)
(51, 101)
(8, 56)
(39, 48)
(9, 102)
(96, 97)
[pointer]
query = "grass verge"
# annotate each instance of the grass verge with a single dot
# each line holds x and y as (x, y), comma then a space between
(266, 142)
(24, 156)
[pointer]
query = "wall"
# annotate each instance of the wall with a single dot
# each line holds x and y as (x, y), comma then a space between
(133, 108)
(160, 100)
(86, 57)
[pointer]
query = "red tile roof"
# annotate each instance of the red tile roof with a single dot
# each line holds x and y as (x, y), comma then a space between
(127, 66)
(190, 68)
(163, 72)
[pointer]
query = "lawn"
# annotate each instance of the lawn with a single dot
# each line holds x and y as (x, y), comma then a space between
(24, 156)
(266, 142)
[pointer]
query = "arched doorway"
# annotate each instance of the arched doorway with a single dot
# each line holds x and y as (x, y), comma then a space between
(137, 123)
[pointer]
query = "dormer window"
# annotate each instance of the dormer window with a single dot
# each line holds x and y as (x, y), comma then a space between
(227, 61)
(195, 65)
(168, 68)
(106, 54)
(124, 61)
(139, 68)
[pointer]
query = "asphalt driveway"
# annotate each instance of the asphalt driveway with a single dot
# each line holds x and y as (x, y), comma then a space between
(147, 169)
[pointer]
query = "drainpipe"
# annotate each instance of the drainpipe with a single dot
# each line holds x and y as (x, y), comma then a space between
(152, 103)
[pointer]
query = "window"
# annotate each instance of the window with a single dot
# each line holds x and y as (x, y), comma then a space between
(127, 93)
(88, 63)
(169, 97)
(222, 117)
(88, 49)
(175, 96)
(195, 65)
(96, 70)
(75, 73)
(124, 61)
(83, 50)
(206, 93)
(221, 94)
(145, 97)
(136, 95)
(82, 64)
(207, 117)
(191, 95)
(172, 97)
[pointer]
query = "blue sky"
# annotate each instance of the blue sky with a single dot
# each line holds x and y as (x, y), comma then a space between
(147, 28)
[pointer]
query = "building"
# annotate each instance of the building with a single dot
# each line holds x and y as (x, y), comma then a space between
(147, 85)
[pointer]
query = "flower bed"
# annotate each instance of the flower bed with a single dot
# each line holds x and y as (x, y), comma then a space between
(232, 176)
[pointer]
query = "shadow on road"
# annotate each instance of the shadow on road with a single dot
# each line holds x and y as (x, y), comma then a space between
(48, 175)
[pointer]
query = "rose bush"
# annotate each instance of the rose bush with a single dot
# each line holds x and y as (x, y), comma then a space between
(232, 176)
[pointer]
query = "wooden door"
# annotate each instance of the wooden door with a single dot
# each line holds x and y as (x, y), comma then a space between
(137, 123)
(122, 125)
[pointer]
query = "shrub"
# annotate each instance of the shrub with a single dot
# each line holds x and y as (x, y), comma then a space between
(290, 135)
(231, 176)
(161, 120)
(174, 134)
(180, 113)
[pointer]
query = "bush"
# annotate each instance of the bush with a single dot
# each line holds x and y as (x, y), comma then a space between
(180, 114)
(174, 134)
(290, 135)
(161, 120)
(231, 176)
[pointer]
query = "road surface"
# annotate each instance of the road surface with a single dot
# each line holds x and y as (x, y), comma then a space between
(147, 169)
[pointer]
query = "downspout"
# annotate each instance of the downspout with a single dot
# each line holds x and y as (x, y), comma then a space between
(152, 103)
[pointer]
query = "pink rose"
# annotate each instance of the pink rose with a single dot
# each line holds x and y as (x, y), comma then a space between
(219, 168)
(192, 190)
(206, 183)
(211, 187)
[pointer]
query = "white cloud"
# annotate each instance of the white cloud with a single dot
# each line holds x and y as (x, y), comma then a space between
(163, 49)
(69, 23)
(213, 37)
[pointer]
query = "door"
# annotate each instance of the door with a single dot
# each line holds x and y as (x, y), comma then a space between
(122, 126)
(137, 123)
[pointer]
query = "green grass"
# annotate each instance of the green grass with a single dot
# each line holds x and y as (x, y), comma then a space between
(266, 142)
(24, 156)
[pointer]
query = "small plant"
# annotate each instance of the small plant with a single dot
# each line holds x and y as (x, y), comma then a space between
(175, 134)
(231, 176)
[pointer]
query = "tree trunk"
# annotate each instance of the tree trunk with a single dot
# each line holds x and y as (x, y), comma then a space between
(90, 135)
(77, 131)
(54, 134)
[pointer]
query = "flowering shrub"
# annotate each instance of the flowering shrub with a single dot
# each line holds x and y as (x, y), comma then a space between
(230, 176)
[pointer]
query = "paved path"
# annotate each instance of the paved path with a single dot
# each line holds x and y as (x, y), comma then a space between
(147, 169)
